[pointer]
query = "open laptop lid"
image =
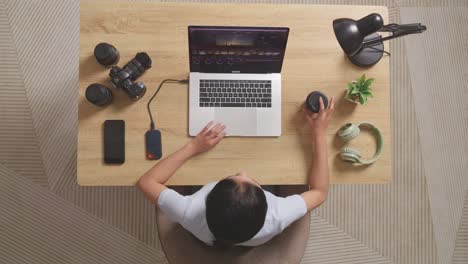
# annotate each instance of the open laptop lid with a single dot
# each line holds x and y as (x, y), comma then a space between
(237, 49)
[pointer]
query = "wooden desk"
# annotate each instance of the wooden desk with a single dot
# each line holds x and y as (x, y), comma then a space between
(313, 61)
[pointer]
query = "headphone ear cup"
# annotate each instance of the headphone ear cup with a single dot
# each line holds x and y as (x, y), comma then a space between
(349, 132)
(350, 155)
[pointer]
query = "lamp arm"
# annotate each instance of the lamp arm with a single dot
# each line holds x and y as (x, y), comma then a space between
(397, 31)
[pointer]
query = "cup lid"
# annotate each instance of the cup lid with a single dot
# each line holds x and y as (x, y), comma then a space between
(97, 93)
(106, 54)
(313, 103)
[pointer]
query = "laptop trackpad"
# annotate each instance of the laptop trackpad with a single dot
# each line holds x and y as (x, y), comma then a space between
(238, 121)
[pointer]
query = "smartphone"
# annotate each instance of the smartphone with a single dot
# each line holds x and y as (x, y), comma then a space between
(114, 141)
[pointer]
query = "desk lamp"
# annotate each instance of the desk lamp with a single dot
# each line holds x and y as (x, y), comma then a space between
(359, 40)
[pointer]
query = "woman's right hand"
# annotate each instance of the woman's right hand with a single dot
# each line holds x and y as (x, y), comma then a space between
(208, 138)
(318, 123)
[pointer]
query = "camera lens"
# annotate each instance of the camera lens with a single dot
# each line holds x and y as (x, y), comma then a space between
(138, 65)
(98, 94)
(136, 91)
(106, 54)
(144, 60)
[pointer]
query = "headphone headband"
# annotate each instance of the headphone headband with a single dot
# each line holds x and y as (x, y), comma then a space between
(351, 131)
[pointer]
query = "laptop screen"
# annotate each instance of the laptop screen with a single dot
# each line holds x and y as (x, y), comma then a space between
(237, 49)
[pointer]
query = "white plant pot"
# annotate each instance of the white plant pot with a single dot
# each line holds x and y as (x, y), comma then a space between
(346, 98)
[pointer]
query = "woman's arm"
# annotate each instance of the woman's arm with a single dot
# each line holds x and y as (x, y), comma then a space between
(152, 182)
(318, 174)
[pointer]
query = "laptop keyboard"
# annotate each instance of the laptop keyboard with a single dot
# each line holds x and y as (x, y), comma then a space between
(235, 93)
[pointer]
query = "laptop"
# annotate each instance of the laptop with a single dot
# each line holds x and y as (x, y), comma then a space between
(235, 78)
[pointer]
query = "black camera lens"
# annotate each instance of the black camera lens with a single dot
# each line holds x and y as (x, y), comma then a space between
(98, 94)
(106, 54)
(138, 65)
(136, 90)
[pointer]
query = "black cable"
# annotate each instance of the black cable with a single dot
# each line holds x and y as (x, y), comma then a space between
(154, 95)
(386, 52)
(389, 28)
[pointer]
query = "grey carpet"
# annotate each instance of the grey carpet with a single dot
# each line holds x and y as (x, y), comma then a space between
(440, 82)
(329, 244)
(122, 207)
(46, 37)
(42, 228)
(358, 224)
(19, 148)
(460, 253)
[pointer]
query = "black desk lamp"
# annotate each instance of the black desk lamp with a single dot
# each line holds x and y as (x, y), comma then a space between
(362, 44)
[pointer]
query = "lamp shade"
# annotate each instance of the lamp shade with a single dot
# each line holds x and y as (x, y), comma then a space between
(351, 33)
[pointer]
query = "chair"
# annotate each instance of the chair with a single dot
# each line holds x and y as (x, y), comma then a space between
(181, 247)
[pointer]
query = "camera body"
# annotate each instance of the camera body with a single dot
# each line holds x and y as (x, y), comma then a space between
(124, 78)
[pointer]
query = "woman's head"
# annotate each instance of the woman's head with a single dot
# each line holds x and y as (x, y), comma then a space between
(235, 209)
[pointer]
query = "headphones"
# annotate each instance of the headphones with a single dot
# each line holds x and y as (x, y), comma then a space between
(350, 131)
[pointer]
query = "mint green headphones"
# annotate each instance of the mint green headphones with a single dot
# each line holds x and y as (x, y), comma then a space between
(350, 131)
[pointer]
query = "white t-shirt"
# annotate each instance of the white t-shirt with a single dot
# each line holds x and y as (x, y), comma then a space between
(189, 211)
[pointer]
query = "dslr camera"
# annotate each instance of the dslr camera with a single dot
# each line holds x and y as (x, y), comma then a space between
(124, 78)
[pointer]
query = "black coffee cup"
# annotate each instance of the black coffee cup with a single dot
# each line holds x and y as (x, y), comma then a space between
(106, 54)
(98, 94)
(312, 101)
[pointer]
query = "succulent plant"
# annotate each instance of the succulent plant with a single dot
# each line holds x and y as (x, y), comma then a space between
(360, 91)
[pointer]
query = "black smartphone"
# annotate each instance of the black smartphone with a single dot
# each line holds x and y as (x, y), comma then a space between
(114, 141)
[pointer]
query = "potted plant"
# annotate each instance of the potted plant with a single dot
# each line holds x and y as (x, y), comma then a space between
(359, 91)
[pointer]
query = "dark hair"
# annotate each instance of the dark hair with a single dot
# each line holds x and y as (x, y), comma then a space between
(235, 212)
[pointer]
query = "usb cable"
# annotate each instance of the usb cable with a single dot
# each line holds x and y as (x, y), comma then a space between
(152, 126)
